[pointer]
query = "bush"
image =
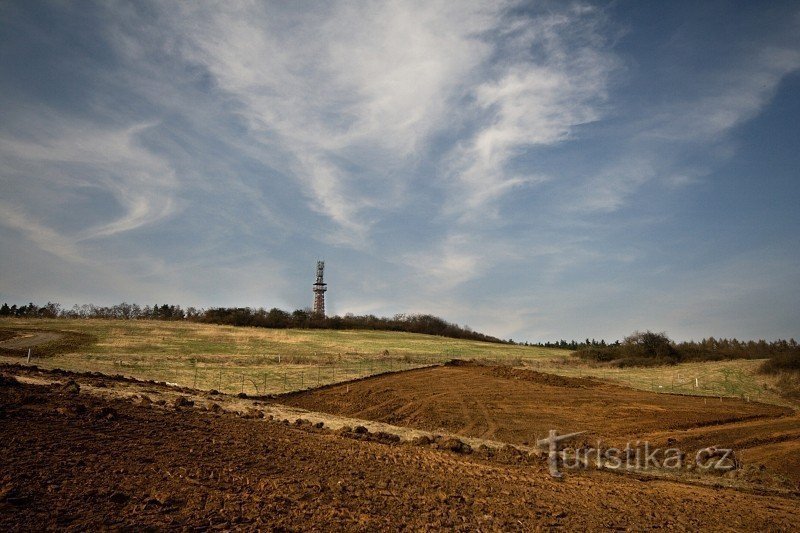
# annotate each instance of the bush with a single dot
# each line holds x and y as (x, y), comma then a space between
(638, 349)
(598, 354)
(649, 345)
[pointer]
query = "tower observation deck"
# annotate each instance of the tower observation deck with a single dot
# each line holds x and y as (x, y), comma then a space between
(319, 291)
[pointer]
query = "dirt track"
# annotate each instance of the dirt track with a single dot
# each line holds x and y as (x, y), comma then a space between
(30, 340)
(519, 406)
(74, 461)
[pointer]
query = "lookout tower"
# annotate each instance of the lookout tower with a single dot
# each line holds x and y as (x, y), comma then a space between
(319, 291)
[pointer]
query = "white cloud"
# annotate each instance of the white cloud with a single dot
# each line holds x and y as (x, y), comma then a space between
(44, 237)
(704, 117)
(727, 98)
(72, 154)
(553, 79)
(349, 85)
(365, 86)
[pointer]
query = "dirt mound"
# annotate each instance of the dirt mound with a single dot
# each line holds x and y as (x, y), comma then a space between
(159, 469)
(551, 380)
(509, 372)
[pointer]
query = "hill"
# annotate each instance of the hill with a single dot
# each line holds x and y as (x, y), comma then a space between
(243, 359)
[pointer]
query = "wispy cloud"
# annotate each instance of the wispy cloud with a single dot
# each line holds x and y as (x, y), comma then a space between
(75, 155)
(553, 78)
(726, 98)
(701, 117)
(347, 94)
(44, 237)
(79, 154)
(463, 158)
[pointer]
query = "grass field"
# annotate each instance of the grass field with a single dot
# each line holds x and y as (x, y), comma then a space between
(259, 361)
(255, 360)
(738, 378)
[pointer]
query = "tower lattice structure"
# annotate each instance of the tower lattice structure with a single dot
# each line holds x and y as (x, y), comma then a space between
(319, 290)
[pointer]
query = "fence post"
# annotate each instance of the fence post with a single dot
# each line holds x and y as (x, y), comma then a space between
(29, 355)
(242, 382)
(219, 381)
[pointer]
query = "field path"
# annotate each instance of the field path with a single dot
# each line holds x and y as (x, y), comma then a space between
(30, 340)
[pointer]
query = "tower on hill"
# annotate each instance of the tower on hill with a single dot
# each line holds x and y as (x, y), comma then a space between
(319, 291)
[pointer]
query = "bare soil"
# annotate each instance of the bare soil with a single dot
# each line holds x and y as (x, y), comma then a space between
(29, 340)
(16, 341)
(74, 460)
(521, 406)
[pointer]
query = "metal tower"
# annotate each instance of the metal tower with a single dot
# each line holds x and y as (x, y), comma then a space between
(319, 291)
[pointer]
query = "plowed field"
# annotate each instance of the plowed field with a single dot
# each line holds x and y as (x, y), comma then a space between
(75, 461)
(519, 406)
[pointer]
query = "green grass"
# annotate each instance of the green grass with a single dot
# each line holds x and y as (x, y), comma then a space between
(258, 360)
(737, 378)
(254, 360)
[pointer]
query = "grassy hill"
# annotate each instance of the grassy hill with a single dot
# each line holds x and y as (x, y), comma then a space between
(257, 360)
(253, 360)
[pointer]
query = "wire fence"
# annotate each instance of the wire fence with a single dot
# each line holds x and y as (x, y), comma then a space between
(270, 374)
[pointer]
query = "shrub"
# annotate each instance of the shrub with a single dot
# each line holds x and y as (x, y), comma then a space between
(649, 345)
(598, 353)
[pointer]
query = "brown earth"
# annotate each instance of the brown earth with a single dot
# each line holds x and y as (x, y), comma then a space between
(43, 343)
(521, 406)
(74, 461)
(29, 340)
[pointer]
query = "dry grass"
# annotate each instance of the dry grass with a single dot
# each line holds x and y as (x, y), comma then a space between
(255, 360)
(738, 378)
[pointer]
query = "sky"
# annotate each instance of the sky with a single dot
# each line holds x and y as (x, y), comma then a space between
(534, 170)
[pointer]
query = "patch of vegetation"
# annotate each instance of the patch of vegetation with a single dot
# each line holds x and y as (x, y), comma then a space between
(786, 366)
(655, 349)
(789, 385)
(784, 362)
(249, 359)
(261, 318)
(638, 349)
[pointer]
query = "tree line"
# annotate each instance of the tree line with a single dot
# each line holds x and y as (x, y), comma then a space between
(649, 348)
(247, 316)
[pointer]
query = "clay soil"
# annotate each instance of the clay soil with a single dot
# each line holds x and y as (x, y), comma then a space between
(520, 406)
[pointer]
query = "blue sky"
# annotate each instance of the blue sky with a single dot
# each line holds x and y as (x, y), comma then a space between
(535, 170)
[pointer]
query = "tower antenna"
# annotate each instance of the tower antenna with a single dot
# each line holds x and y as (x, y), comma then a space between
(319, 291)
